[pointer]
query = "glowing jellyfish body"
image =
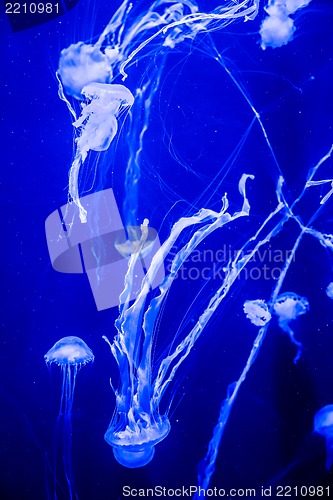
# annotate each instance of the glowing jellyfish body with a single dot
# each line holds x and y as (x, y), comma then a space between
(70, 354)
(98, 118)
(277, 29)
(288, 306)
(323, 425)
(81, 64)
(329, 291)
(134, 445)
(69, 351)
(257, 312)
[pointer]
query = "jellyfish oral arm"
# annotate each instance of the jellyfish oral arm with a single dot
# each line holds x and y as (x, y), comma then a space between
(129, 323)
(137, 409)
(207, 466)
(62, 96)
(233, 269)
(137, 425)
(319, 183)
(129, 318)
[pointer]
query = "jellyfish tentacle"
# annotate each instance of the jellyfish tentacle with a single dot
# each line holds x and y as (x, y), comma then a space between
(207, 466)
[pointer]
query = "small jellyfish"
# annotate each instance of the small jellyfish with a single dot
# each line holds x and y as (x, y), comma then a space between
(277, 29)
(323, 425)
(98, 121)
(329, 290)
(257, 312)
(81, 64)
(70, 353)
(288, 306)
(97, 126)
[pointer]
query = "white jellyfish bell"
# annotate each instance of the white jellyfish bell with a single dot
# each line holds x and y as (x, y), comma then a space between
(81, 64)
(288, 306)
(257, 312)
(329, 291)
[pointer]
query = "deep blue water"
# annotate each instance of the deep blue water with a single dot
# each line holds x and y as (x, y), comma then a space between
(199, 117)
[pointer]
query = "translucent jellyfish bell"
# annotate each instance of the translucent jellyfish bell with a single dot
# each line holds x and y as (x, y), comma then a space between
(257, 312)
(98, 118)
(329, 291)
(70, 353)
(97, 127)
(288, 306)
(277, 29)
(323, 425)
(135, 446)
(81, 64)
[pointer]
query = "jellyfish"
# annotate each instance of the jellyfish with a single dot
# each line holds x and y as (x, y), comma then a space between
(70, 354)
(257, 311)
(329, 290)
(288, 306)
(81, 64)
(98, 126)
(277, 29)
(323, 425)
